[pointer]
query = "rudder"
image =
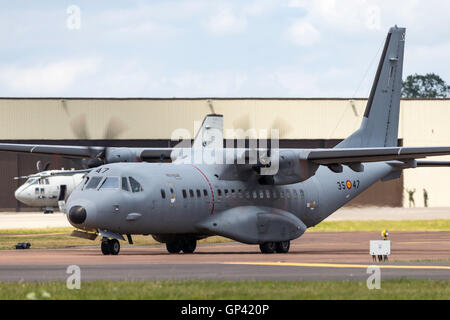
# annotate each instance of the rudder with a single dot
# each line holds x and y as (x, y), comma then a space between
(379, 126)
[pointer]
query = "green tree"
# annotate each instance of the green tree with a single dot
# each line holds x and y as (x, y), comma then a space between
(425, 86)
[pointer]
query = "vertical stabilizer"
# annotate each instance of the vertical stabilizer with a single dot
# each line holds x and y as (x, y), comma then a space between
(379, 127)
(210, 134)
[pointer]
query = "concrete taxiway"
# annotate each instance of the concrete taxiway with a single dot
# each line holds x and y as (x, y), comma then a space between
(314, 256)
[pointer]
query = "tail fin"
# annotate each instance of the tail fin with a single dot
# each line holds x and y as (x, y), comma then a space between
(379, 127)
(210, 134)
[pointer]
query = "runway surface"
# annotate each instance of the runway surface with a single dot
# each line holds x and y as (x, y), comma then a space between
(314, 256)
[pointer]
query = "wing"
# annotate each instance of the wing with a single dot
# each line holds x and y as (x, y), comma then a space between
(69, 151)
(358, 155)
(141, 154)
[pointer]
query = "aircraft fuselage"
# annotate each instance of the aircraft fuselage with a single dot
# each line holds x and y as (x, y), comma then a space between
(176, 198)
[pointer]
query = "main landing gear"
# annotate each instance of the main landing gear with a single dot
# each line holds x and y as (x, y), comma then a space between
(110, 246)
(278, 247)
(187, 245)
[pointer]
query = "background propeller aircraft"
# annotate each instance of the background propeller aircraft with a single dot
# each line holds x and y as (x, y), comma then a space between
(48, 189)
(266, 200)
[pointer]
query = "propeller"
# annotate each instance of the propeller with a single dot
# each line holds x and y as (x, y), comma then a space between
(211, 107)
(113, 129)
(40, 168)
(279, 124)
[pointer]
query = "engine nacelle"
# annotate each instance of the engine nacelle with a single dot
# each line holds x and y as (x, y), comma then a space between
(290, 169)
(120, 155)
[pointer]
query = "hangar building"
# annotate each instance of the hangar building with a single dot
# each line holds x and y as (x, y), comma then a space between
(303, 122)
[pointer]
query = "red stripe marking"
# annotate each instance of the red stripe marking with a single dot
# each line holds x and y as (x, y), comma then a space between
(210, 187)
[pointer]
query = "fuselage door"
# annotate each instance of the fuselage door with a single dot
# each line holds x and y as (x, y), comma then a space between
(62, 192)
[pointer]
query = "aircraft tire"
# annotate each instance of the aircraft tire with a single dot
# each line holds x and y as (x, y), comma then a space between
(105, 247)
(114, 246)
(283, 246)
(174, 246)
(268, 247)
(189, 245)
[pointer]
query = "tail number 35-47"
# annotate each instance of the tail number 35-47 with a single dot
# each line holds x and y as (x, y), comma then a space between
(347, 184)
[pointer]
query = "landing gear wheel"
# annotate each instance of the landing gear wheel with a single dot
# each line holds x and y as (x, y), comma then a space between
(173, 246)
(105, 247)
(189, 245)
(268, 247)
(283, 246)
(114, 246)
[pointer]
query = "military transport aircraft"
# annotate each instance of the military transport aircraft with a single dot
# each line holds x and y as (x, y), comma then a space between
(239, 198)
(48, 189)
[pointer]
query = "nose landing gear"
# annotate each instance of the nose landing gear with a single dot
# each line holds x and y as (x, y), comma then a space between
(110, 246)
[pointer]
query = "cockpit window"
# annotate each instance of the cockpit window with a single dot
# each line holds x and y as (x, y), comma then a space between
(125, 184)
(135, 186)
(110, 183)
(93, 183)
(32, 181)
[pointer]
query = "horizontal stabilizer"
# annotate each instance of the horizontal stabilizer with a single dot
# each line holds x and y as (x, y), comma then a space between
(355, 155)
(423, 163)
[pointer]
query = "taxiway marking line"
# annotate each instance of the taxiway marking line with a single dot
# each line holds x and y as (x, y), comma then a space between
(336, 265)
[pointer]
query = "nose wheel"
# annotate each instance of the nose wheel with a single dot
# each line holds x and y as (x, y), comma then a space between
(110, 246)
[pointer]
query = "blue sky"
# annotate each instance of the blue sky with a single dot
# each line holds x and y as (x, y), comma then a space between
(261, 48)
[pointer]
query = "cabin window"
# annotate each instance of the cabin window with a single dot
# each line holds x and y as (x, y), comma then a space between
(288, 194)
(198, 193)
(191, 193)
(163, 193)
(261, 194)
(171, 190)
(274, 194)
(219, 192)
(254, 195)
(36, 190)
(184, 193)
(46, 181)
(226, 192)
(205, 192)
(110, 183)
(268, 194)
(125, 186)
(247, 194)
(240, 195)
(136, 186)
(294, 192)
(93, 183)
(281, 194)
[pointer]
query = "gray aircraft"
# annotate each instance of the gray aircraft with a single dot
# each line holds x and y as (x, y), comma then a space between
(185, 200)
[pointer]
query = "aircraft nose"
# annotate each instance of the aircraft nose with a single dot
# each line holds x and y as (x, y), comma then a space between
(20, 195)
(77, 214)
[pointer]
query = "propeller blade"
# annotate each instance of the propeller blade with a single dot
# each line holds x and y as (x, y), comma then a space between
(242, 122)
(79, 127)
(39, 166)
(282, 126)
(47, 166)
(211, 107)
(114, 129)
